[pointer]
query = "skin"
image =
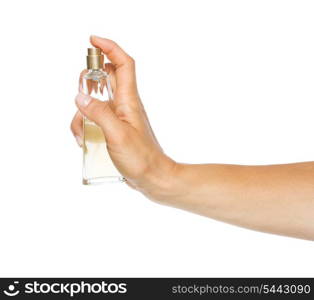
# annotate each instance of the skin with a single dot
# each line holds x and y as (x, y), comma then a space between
(276, 199)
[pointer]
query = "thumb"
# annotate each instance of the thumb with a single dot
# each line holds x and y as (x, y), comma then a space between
(99, 112)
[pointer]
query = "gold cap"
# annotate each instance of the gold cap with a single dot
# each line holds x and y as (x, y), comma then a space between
(95, 59)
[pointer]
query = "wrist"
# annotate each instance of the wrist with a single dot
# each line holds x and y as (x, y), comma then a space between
(161, 181)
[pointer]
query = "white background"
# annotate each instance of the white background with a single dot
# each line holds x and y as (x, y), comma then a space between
(222, 82)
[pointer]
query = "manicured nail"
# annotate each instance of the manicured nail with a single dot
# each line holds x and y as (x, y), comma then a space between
(82, 99)
(79, 140)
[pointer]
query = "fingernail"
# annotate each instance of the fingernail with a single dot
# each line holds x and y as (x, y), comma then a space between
(82, 99)
(79, 140)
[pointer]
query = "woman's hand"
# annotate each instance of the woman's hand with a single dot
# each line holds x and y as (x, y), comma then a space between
(130, 140)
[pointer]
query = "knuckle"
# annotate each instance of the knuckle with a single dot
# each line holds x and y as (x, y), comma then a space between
(127, 109)
(131, 61)
(114, 44)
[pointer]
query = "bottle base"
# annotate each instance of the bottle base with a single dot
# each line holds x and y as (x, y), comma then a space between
(101, 180)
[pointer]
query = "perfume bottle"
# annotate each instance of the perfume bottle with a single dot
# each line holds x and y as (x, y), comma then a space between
(97, 165)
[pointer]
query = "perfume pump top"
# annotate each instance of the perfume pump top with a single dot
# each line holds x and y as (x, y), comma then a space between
(95, 59)
(94, 51)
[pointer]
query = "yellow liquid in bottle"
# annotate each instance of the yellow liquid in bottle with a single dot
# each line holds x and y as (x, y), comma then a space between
(98, 166)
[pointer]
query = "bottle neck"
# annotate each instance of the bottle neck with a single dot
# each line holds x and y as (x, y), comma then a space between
(96, 73)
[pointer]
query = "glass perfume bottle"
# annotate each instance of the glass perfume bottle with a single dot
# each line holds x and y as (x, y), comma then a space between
(97, 165)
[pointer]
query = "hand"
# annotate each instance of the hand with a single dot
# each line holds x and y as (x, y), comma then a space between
(130, 140)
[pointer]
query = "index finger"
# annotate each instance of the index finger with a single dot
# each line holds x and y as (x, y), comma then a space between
(123, 63)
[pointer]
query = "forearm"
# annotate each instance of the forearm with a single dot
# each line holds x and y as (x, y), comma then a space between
(275, 198)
